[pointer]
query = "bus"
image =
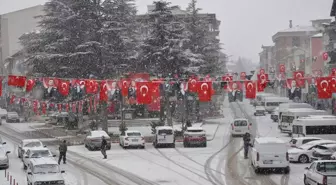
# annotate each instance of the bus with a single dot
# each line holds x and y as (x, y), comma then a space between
(271, 103)
(288, 117)
(322, 127)
(284, 107)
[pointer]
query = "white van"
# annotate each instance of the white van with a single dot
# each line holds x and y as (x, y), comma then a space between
(269, 153)
(240, 126)
(260, 98)
(164, 136)
(272, 103)
(284, 107)
(324, 128)
(288, 117)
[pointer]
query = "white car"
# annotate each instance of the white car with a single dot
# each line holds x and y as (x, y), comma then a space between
(12, 117)
(298, 141)
(304, 153)
(4, 160)
(320, 173)
(194, 136)
(35, 153)
(164, 135)
(132, 138)
(28, 144)
(3, 113)
(44, 171)
(240, 126)
(269, 153)
(260, 111)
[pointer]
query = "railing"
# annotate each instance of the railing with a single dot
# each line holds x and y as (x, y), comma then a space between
(8, 179)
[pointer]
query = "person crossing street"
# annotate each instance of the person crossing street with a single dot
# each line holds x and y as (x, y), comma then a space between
(103, 147)
(247, 140)
(63, 150)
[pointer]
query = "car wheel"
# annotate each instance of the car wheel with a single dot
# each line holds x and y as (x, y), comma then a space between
(89, 148)
(303, 159)
(257, 170)
(173, 145)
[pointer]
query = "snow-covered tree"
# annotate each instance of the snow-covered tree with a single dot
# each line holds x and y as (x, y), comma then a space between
(163, 50)
(202, 42)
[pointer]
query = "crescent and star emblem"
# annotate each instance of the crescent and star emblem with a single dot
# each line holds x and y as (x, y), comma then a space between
(282, 67)
(105, 88)
(249, 86)
(124, 83)
(193, 82)
(324, 82)
(144, 93)
(227, 78)
(207, 87)
(64, 86)
(298, 75)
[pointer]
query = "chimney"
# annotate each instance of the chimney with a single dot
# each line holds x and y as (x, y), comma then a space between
(290, 24)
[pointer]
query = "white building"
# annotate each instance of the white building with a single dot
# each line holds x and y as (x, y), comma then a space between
(12, 26)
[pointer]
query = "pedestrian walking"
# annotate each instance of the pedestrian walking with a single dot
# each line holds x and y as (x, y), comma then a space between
(247, 140)
(103, 147)
(63, 148)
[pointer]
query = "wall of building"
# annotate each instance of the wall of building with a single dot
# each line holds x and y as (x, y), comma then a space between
(317, 50)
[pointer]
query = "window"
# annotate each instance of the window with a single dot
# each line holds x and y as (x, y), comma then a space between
(195, 130)
(307, 140)
(272, 104)
(167, 132)
(287, 119)
(133, 134)
(33, 144)
(46, 168)
(296, 41)
(321, 130)
(297, 129)
(240, 123)
(326, 167)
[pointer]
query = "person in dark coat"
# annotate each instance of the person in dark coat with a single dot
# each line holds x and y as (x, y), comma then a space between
(295, 92)
(247, 140)
(103, 147)
(63, 150)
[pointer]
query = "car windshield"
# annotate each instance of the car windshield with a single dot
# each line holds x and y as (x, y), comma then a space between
(326, 167)
(12, 114)
(240, 123)
(200, 130)
(33, 144)
(46, 168)
(166, 131)
(133, 134)
(39, 154)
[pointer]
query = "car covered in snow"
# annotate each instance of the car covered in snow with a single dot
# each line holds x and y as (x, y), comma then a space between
(164, 136)
(260, 111)
(44, 171)
(304, 153)
(28, 144)
(194, 136)
(298, 141)
(323, 152)
(132, 138)
(4, 160)
(12, 117)
(3, 113)
(93, 140)
(320, 173)
(35, 153)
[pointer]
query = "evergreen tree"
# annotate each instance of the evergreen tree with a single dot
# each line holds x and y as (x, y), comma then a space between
(163, 49)
(202, 42)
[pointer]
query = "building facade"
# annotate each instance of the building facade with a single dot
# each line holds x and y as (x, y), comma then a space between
(13, 25)
(266, 57)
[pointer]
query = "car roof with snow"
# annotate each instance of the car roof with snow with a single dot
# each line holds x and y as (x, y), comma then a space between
(318, 142)
(38, 149)
(164, 128)
(30, 140)
(269, 140)
(332, 145)
(195, 128)
(240, 119)
(99, 133)
(303, 138)
(304, 110)
(43, 160)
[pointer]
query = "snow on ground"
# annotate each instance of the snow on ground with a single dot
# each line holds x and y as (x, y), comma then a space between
(268, 128)
(23, 127)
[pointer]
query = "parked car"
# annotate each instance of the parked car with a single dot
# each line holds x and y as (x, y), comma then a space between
(164, 136)
(240, 126)
(93, 140)
(12, 117)
(36, 153)
(275, 115)
(323, 152)
(132, 138)
(320, 172)
(194, 136)
(304, 153)
(269, 153)
(260, 111)
(298, 141)
(3, 113)
(4, 160)
(28, 144)
(37, 173)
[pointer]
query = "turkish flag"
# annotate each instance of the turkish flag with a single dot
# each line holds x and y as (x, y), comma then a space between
(250, 88)
(324, 87)
(192, 84)
(63, 87)
(35, 107)
(143, 92)
(243, 75)
(155, 90)
(66, 107)
(204, 91)
(333, 72)
(17, 81)
(103, 91)
(227, 78)
(282, 68)
(155, 105)
(1, 78)
(91, 86)
(30, 85)
(44, 108)
(262, 71)
(299, 78)
(333, 84)
(290, 83)
(262, 81)
(124, 84)
(59, 106)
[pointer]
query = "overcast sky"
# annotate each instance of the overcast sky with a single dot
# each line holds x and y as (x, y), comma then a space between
(245, 24)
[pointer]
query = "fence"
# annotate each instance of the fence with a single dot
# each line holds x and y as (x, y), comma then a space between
(9, 179)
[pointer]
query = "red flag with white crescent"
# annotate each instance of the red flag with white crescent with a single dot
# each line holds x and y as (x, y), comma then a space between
(204, 91)
(192, 84)
(250, 88)
(124, 84)
(63, 87)
(143, 92)
(299, 78)
(324, 90)
(103, 96)
(30, 85)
